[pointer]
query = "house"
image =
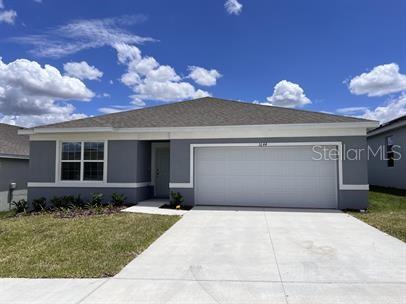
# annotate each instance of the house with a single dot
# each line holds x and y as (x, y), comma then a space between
(212, 151)
(14, 165)
(387, 161)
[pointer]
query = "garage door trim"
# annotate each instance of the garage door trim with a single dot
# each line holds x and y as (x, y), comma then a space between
(339, 145)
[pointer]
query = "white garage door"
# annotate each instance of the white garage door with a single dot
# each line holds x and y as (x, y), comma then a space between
(285, 176)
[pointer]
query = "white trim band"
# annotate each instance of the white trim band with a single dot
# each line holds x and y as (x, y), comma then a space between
(88, 185)
(339, 144)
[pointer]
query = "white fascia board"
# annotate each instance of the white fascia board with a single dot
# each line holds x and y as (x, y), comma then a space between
(387, 128)
(64, 130)
(14, 156)
(366, 125)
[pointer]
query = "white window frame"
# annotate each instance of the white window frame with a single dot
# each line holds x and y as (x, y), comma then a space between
(81, 181)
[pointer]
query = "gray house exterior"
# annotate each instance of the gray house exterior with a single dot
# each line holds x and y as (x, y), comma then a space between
(383, 171)
(14, 164)
(212, 151)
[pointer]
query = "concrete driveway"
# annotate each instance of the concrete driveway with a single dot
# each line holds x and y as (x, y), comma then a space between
(264, 256)
(261, 256)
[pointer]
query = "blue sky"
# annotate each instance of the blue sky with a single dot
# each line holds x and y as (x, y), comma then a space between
(342, 56)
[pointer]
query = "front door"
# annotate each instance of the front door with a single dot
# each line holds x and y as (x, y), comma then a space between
(162, 172)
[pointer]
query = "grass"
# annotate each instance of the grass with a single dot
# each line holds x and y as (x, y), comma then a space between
(44, 246)
(387, 212)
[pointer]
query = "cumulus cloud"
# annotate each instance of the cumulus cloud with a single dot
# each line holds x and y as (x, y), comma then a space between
(8, 16)
(83, 34)
(287, 94)
(82, 70)
(151, 81)
(390, 110)
(31, 94)
(204, 77)
(381, 80)
(233, 7)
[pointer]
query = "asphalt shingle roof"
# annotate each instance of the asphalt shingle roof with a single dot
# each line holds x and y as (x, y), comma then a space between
(207, 111)
(12, 144)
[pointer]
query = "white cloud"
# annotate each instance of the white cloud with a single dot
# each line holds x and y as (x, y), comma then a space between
(8, 16)
(352, 110)
(31, 94)
(116, 109)
(287, 94)
(84, 34)
(36, 120)
(151, 81)
(383, 79)
(1, 4)
(392, 109)
(38, 1)
(233, 7)
(204, 77)
(82, 70)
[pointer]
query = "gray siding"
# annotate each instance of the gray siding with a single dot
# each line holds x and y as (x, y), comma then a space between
(379, 172)
(354, 171)
(13, 171)
(129, 161)
(42, 161)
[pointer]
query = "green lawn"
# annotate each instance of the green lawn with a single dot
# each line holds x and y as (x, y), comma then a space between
(387, 212)
(44, 246)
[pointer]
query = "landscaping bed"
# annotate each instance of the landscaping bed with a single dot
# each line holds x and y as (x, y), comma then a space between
(75, 242)
(387, 212)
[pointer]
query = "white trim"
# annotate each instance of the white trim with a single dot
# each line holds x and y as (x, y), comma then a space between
(342, 186)
(387, 128)
(154, 146)
(89, 185)
(14, 156)
(176, 132)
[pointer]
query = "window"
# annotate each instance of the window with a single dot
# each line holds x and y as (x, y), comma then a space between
(82, 161)
(389, 151)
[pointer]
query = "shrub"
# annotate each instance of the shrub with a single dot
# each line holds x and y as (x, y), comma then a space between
(77, 201)
(20, 206)
(95, 201)
(39, 204)
(176, 199)
(118, 199)
(63, 202)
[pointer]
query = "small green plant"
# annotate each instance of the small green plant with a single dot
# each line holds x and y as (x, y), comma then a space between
(95, 201)
(176, 199)
(39, 204)
(77, 201)
(20, 206)
(63, 202)
(118, 199)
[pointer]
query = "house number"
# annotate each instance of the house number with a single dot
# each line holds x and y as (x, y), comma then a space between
(263, 144)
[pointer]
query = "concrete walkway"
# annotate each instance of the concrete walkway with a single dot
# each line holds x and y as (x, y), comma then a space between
(252, 256)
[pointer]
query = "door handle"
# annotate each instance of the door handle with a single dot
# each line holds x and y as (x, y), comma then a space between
(157, 172)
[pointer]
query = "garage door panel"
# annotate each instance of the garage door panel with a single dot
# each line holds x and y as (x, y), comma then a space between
(269, 176)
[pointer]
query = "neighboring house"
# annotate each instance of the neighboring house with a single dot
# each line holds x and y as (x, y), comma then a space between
(212, 151)
(14, 165)
(387, 156)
